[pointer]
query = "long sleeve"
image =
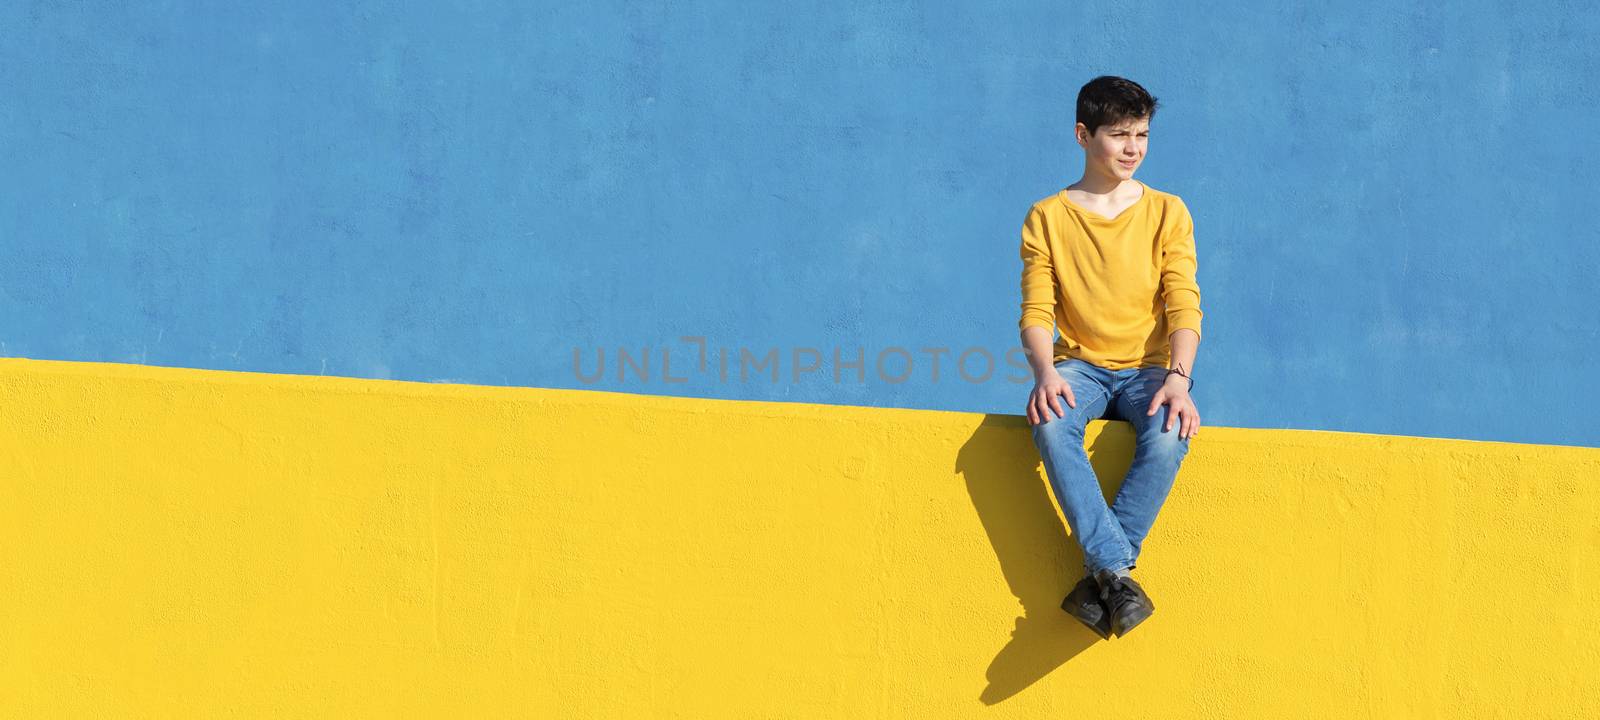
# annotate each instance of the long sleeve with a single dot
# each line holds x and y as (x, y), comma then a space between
(1038, 279)
(1179, 265)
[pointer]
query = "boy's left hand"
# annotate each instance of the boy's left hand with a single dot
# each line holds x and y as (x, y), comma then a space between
(1175, 393)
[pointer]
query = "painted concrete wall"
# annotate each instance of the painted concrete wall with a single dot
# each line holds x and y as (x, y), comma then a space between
(1392, 201)
(198, 543)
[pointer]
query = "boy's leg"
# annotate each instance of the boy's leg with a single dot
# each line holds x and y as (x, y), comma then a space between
(1060, 442)
(1156, 457)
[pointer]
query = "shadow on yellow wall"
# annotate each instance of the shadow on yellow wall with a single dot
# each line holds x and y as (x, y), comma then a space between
(1002, 471)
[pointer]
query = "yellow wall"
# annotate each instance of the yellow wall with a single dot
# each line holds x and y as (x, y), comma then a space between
(194, 542)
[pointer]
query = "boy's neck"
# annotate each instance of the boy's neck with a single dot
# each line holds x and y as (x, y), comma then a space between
(1098, 184)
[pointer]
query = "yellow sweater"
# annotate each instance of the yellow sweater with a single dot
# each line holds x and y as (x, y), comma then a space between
(1117, 288)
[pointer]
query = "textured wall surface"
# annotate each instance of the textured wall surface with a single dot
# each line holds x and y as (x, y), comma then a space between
(1393, 201)
(183, 542)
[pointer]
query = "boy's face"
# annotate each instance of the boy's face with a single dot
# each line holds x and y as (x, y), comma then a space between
(1116, 149)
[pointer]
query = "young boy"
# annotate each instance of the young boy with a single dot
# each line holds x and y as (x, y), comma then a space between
(1111, 262)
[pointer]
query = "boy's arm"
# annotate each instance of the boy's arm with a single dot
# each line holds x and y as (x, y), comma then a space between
(1185, 343)
(1180, 290)
(1037, 344)
(1182, 296)
(1038, 295)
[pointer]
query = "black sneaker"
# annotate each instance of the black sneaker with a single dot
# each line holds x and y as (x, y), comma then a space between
(1084, 604)
(1125, 603)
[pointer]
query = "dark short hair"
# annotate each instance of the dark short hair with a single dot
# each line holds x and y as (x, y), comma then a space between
(1108, 100)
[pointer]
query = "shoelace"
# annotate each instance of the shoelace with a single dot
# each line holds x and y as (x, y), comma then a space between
(1117, 593)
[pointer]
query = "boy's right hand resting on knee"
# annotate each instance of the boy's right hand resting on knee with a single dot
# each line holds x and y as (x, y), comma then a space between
(1045, 399)
(1048, 385)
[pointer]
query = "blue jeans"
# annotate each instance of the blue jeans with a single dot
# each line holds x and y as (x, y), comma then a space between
(1110, 535)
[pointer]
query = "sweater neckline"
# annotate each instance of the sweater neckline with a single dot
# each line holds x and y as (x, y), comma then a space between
(1144, 196)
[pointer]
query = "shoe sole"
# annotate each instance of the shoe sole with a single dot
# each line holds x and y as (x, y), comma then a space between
(1128, 628)
(1093, 627)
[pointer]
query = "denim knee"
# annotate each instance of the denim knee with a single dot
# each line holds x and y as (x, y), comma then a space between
(1166, 445)
(1057, 430)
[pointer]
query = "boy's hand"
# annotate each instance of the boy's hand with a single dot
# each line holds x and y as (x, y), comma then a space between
(1043, 398)
(1175, 392)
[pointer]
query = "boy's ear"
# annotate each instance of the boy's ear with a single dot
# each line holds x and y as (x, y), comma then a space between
(1080, 132)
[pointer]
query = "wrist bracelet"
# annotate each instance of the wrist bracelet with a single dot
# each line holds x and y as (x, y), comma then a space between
(1174, 371)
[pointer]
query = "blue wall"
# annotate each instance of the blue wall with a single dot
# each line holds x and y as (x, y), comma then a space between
(1394, 203)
